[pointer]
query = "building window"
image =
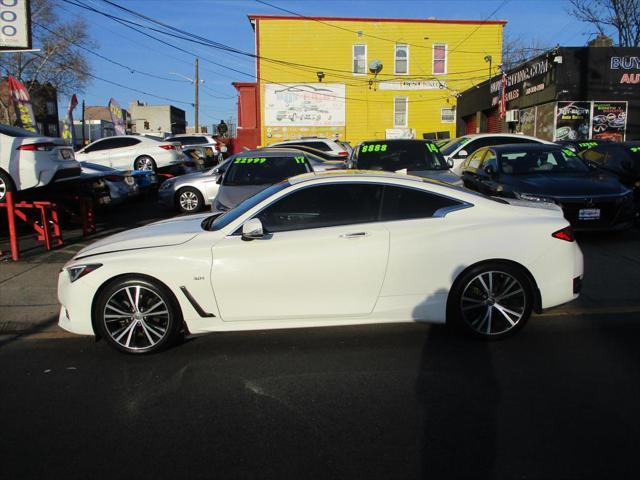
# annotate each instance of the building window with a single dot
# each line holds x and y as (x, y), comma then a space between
(448, 115)
(51, 108)
(439, 59)
(400, 111)
(402, 59)
(360, 59)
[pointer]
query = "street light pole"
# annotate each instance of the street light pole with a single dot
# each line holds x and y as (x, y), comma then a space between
(197, 83)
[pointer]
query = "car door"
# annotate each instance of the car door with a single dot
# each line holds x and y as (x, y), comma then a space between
(123, 153)
(97, 152)
(470, 168)
(324, 255)
(487, 174)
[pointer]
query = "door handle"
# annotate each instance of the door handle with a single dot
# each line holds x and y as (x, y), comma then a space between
(354, 235)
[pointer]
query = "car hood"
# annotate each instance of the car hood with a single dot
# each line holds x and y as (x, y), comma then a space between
(231, 196)
(165, 233)
(446, 176)
(568, 184)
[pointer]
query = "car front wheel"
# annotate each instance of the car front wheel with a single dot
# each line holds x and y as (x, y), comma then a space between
(6, 185)
(189, 200)
(136, 315)
(145, 163)
(491, 301)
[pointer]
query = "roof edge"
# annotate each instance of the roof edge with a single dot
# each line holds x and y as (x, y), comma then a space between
(252, 17)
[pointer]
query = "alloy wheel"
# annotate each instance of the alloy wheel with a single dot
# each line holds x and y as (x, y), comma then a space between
(144, 163)
(493, 303)
(189, 201)
(136, 318)
(3, 189)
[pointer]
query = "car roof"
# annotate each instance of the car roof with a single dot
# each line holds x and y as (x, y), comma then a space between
(514, 135)
(358, 174)
(524, 147)
(267, 152)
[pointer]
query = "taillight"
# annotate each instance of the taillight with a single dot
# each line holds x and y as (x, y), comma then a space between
(343, 154)
(168, 147)
(39, 147)
(565, 234)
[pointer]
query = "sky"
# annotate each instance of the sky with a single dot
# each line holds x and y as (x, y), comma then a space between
(537, 22)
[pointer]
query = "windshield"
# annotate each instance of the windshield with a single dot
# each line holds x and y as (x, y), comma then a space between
(537, 161)
(216, 222)
(399, 155)
(264, 170)
(453, 144)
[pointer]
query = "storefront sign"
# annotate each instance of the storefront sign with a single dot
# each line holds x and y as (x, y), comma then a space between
(609, 121)
(413, 85)
(572, 120)
(15, 25)
(310, 104)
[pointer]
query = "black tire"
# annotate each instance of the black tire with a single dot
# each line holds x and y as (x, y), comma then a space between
(6, 185)
(145, 162)
(127, 327)
(491, 301)
(189, 200)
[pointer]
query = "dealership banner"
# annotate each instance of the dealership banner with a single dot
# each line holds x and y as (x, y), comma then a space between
(68, 133)
(22, 105)
(609, 121)
(117, 117)
(573, 120)
(309, 105)
(15, 25)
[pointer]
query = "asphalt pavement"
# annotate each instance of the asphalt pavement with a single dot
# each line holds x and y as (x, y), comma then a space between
(558, 400)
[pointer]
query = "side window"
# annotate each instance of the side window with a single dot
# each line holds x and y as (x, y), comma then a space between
(95, 147)
(402, 203)
(323, 206)
(490, 160)
(595, 155)
(128, 142)
(473, 162)
(105, 144)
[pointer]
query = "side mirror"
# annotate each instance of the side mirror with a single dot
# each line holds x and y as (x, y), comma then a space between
(252, 229)
(462, 154)
(450, 162)
(490, 170)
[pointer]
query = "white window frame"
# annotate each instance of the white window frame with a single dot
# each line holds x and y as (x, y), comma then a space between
(353, 58)
(406, 112)
(433, 58)
(452, 110)
(395, 58)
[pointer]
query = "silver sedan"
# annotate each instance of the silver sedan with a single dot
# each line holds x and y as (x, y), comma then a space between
(192, 192)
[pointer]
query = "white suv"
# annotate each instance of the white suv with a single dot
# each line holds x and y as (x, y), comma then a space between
(457, 149)
(125, 152)
(28, 160)
(336, 148)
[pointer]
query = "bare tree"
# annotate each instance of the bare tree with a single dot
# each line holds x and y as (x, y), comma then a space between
(59, 63)
(516, 50)
(607, 16)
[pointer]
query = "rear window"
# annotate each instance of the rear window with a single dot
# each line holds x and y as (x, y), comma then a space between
(399, 155)
(453, 144)
(264, 170)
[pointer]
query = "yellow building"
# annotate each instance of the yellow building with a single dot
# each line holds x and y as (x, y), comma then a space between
(365, 78)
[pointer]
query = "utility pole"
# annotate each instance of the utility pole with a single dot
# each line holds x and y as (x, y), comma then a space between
(83, 127)
(195, 106)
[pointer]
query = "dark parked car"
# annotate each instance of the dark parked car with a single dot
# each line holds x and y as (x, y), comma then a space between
(591, 199)
(621, 160)
(415, 157)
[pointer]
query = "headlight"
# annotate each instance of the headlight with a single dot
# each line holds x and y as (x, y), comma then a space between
(167, 184)
(79, 271)
(530, 197)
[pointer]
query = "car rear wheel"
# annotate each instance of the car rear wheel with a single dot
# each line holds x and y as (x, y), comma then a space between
(145, 162)
(135, 315)
(189, 200)
(491, 301)
(6, 185)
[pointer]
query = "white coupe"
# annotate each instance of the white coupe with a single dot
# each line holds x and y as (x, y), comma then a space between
(326, 249)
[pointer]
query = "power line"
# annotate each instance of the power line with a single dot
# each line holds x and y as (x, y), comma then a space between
(478, 27)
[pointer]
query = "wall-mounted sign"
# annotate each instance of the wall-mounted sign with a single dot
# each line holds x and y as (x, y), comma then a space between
(609, 121)
(400, 133)
(412, 85)
(533, 77)
(15, 25)
(304, 104)
(573, 120)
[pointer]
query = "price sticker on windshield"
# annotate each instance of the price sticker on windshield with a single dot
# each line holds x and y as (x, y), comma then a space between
(635, 149)
(250, 160)
(432, 147)
(568, 152)
(299, 159)
(587, 144)
(374, 147)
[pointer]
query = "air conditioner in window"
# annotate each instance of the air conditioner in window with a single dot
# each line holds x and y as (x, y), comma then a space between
(513, 116)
